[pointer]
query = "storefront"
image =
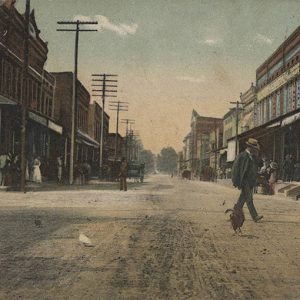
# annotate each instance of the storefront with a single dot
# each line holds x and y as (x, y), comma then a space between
(9, 126)
(278, 138)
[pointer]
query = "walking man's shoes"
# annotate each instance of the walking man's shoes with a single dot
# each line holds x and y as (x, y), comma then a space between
(258, 218)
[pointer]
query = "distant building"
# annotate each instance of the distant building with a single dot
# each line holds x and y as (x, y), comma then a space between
(199, 136)
(229, 132)
(86, 146)
(216, 147)
(180, 163)
(114, 138)
(187, 146)
(248, 114)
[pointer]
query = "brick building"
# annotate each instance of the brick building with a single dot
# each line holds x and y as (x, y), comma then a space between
(86, 146)
(277, 125)
(94, 131)
(200, 132)
(43, 129)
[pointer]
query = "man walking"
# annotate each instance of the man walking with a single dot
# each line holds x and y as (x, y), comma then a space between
(123, 174)
(244, 175)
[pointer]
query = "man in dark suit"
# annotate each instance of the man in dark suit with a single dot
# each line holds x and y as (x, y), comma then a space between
(123, 174)
(244, 176)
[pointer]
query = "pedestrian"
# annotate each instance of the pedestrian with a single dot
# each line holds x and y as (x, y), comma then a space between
(272, 177)
(123, 174)
(292, 163)
(3, 166)
(287, 166)
(37, 175)
(244, 176)
(59, 169)
(297, 171)
(86, 172)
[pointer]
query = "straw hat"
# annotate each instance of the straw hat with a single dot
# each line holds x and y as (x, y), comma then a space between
(253, 143)
(273, 165)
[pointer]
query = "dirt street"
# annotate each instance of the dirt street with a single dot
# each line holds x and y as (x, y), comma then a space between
(164, 239)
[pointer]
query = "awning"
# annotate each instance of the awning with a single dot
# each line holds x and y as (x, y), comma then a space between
(55, 127)
(274, 124)
(86, 139)
(39, 119)
(6, 101)
(290, 119)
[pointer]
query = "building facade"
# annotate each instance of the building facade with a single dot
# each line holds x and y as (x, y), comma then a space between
(215, 148)
(43, 130)
(186, 152)
(199, 142)
(278, 102)
(86, 146)
(248, 114)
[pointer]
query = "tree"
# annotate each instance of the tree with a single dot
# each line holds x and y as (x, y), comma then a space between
(167, 160)
(148, 158)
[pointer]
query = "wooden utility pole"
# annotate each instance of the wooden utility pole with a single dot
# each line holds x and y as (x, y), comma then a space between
(127, 122)
(105, 93)
(74, 91)
(237, 109)
(118, 106)
(24, 97)
(216, 147)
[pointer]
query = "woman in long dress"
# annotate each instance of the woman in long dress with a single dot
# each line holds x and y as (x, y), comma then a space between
(37, 176)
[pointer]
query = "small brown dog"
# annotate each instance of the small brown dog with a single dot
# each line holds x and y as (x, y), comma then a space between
(237, 217)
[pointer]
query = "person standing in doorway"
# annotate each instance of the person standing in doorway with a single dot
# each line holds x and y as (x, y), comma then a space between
(37, 176)
(287, 166)
(59, 169)
(123, 175)
(273, 177)
(3, 166)
(244, 176)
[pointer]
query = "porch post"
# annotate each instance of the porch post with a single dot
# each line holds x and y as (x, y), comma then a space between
(274, 145)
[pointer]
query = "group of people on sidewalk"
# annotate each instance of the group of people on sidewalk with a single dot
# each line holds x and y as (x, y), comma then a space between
(10, 170)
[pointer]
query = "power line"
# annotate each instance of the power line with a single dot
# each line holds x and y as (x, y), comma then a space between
(103, 93)
(118, 106)
(74, 96)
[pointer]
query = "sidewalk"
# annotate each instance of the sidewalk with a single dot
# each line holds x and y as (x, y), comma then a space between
(93, 184)
(282, 189)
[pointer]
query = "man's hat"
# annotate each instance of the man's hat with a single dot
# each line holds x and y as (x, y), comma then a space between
(274, 165)
(253, 143)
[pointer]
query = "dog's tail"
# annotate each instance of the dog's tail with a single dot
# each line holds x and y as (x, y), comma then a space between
(228, 210)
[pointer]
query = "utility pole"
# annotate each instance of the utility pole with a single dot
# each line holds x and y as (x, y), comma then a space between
(132, 136)
(105, 92)
(74, 91)
(216, 147)
(24, 97)
(237, 109)
(127, 122)
(118, 106)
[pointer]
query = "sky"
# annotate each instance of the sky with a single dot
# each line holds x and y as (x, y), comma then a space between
(171, 56)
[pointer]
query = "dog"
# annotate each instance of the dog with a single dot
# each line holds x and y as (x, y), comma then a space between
(237, 217)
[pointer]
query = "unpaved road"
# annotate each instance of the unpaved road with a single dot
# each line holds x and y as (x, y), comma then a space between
(166, 239)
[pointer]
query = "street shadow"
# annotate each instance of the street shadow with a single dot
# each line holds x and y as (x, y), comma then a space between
(113, 186)
(249, 236)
